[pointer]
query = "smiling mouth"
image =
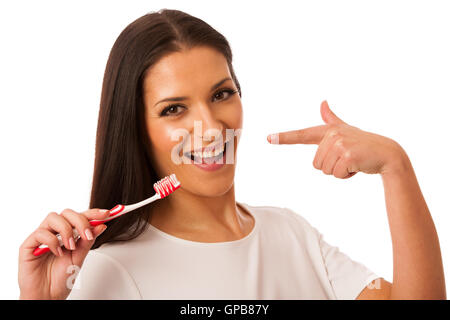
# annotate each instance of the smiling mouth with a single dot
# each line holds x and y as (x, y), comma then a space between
(208, 156)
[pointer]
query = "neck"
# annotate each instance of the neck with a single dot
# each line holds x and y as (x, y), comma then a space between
(189, 213)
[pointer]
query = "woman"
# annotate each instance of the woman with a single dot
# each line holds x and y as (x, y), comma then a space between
(167, 73)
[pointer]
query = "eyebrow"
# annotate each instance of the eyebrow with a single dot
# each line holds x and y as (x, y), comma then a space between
(184, 98)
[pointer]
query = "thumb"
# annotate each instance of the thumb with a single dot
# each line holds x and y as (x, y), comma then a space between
(327, 115)
(83, 246)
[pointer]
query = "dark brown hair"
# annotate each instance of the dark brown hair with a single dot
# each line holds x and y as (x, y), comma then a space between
(122, 171)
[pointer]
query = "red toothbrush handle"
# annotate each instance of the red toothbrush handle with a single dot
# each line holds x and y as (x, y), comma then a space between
(38, 251)
(112, 214)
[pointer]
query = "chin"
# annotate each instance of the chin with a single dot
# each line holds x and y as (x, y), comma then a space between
(207, 184)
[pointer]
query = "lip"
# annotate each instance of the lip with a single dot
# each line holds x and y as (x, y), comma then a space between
(208, 148)
(213, 165)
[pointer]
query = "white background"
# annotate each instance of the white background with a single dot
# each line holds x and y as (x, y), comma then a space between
(383, 66)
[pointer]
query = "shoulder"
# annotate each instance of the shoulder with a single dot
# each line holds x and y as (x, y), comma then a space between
(276, 214)
(281, 218)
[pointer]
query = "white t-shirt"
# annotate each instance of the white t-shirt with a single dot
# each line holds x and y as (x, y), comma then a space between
(283, 257)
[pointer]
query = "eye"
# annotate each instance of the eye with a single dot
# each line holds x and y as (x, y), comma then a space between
(175, 109)
(220, 94)
(171, 110)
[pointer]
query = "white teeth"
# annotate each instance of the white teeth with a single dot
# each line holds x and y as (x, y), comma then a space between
(209, 154)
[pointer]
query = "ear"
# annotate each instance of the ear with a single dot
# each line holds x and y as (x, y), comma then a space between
(327, 115)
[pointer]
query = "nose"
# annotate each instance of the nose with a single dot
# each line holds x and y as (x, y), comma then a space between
(206, 125)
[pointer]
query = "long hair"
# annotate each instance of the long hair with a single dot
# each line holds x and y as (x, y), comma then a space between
(122, 171)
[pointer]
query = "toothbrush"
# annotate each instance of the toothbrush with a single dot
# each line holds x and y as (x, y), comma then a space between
(163, 188)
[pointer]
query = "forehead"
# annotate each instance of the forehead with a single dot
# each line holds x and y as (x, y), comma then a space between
(194, 68)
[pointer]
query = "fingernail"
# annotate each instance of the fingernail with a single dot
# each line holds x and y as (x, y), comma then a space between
(102, 210)
(71, 244)
(273, 138)
(88, 234)
(104, 228)
(60, 253)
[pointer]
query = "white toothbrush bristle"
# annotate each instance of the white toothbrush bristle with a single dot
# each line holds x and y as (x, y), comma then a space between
(167, 185)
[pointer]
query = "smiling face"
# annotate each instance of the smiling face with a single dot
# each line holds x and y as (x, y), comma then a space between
(208, 102)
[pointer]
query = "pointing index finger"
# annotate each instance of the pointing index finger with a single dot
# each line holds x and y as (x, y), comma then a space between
(311, 135)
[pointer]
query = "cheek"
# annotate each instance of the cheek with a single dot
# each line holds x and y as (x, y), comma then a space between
(234, 116)
(160, 138)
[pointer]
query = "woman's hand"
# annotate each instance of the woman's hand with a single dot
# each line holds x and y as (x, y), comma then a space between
(343, 149)
(48, 276)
